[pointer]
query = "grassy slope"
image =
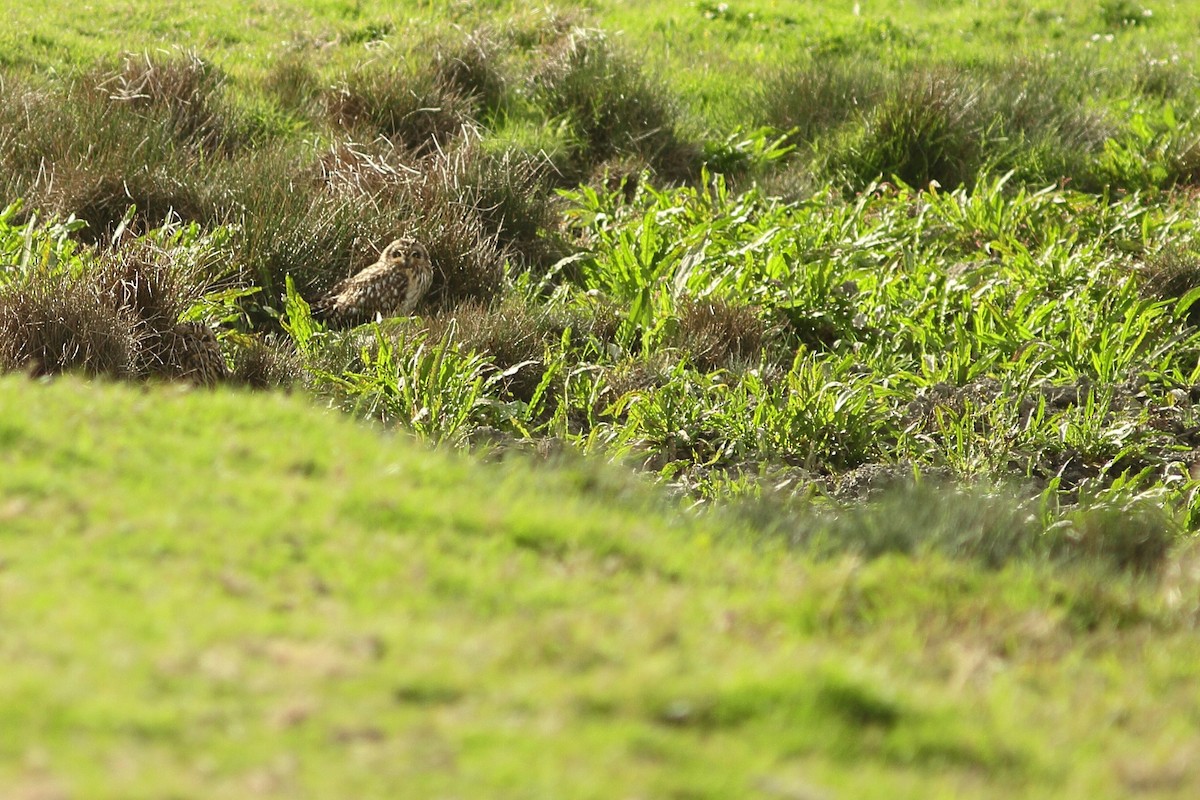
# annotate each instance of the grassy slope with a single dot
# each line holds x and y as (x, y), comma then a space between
(229, 595)
(702, 50)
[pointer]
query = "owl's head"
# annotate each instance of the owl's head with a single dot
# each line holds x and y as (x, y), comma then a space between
(406, 252)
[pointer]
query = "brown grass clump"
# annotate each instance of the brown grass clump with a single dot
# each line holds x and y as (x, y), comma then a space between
(814, 98)
(719, 335)
(104, 200)
(147, 279)
(930, 126)
(1170, 274)
(294, 82)
(596, 322)
(264, 363)
(468, 258)
(23, 107)
(541, 27)
(622, 174)
(512, 330)
(613, 108)
(53, 323)
(365, 171)
(102, 142)
(180, 89)
(510, 193)
(419, 109)
(293, 223)
(471, 66)
(509, 332)
(118, 317)
(1184, 164)
(155, 286)
(1043, 101)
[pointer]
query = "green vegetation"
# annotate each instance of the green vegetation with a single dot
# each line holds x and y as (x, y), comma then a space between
(918, 334)
(229, 595)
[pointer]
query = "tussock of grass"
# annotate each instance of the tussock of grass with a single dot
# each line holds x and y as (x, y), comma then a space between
(813, 99)
(182, 90)
(473, 66)
(417, 108)
(928, 127)
(509, 191)
(720, 335)
(510, 332)
(1044, 98)
(115, 313)
(295, 84)
(467, 252)
(54, 323)
(104, 200)
(539, 28)
(299, 228)
(263, 363)
(612, 106)
(108, 140)
(156, 285)
(946, 123)
(1170, 274)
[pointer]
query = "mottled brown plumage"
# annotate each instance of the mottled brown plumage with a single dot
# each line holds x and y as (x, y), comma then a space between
(391, 287)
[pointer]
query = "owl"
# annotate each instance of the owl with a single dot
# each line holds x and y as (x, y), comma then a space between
(391, 287)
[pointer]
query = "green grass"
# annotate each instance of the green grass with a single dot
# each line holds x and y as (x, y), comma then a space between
(698, 36)
(981, 265)
(231, 595)
(903, 350)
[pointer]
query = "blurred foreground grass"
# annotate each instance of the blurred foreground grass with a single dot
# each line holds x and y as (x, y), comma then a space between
(236, 595)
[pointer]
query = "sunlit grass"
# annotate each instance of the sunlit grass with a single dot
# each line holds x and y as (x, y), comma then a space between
(231, 593)
(837, 401)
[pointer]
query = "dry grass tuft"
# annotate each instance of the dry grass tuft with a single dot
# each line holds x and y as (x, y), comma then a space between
(418, 109)
(294, 82)
(104, 200)
(119, 317)
(1170, 274)
(509, 332)
(719, 335)
(51, 324)
(264, 363)
(613, 107)
(814, 98)
(181, 90)
(929, 127)
(144, 134)
(148, 280)
(471, 66)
